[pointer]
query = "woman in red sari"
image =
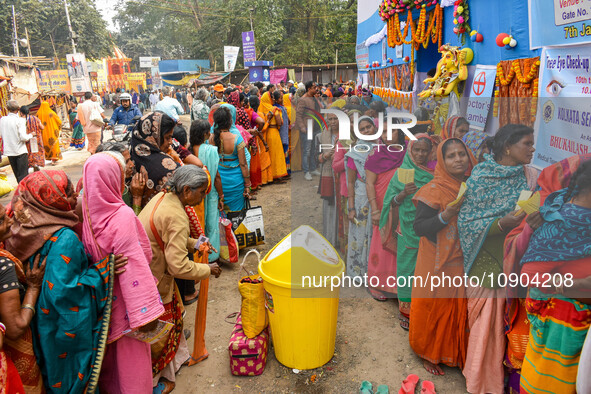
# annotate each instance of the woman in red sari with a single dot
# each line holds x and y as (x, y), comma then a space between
(18, 364)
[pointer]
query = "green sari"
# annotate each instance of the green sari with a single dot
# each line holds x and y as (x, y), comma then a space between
(208, 154)
(408, 241)
(72, 315)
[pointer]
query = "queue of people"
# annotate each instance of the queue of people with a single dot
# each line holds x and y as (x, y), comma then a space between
(395, 213)
(132, 257)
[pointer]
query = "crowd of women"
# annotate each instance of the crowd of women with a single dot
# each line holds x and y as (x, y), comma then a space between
(394, 215)
(105, 265)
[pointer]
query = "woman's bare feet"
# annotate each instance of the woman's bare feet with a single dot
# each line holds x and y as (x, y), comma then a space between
(434, 369)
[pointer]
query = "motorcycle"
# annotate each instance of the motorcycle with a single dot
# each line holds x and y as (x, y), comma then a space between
(122, 133)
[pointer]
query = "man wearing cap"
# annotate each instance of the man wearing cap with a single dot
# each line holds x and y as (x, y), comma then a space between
(14, 136)
(291, 88)
(218, 93)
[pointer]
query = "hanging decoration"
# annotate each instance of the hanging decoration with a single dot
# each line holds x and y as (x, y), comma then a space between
(476, 37)
(395, 98)
(528, 83)
(419, 33)
(461, 17)
(391, 7)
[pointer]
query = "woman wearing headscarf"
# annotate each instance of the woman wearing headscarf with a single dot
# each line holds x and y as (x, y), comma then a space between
(52, 125)
(455, 127)
(380, 167)
(199, 108)
(258, 145)
(17, 358)
(284, 130)
(169, 230)
(152, 137)
(34, 126)
(75, 295)
(78, 137)
(242, 118)
(486, 216)
(551, 179)
(274, 122)
(559, 313)
(398, 207)
(214, 201)
(327, 138)
(233, 167)
(360, 226)
(340, 173)
(111, 227)
(294, 140)
(439, 318)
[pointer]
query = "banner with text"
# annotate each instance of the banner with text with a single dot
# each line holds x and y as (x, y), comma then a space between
(483, 85)
(248, 49)
(55, 80)
(563, 124)
(362, 57)
(559, 22)
(230, 58)
(78, 72)
(149, 61)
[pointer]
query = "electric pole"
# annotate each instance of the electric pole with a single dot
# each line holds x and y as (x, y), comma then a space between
(28, 43)
(15, 40)
(72, 34)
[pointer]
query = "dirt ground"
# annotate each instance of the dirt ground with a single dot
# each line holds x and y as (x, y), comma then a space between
(370, 344)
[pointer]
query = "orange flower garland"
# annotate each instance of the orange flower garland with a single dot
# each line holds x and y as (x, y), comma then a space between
(515, 71)
(420, 32)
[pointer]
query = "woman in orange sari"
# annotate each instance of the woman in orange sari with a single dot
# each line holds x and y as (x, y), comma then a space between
(455, 127)
(277, 168)
(52, 125)
(439, 318)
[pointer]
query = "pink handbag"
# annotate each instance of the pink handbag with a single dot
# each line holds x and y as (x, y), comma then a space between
(248, 356)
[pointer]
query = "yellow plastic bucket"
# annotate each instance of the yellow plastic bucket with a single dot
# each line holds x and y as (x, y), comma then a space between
(301, 305)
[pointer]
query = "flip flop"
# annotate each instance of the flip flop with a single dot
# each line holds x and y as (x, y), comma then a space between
(192, 300)
(427, 387)
(163, 387)
(404, 322)
(409, 384)
(383, 389)
(366, 388)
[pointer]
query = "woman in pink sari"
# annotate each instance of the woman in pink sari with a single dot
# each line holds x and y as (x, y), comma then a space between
(380, 167)
(110, 226)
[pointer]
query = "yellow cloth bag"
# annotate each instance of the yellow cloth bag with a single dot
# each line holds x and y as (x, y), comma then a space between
(253, 311)
(5, 187)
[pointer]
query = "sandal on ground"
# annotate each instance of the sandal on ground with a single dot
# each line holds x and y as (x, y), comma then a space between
(366, 388)
(193, 299)
(383, 389)
(427, 387)
(409, 384)
(378, 296)
(163, 387)
(404, 322)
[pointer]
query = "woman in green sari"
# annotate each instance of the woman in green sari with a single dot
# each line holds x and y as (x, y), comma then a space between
(398, 207)
(78, 137)
(214, 201)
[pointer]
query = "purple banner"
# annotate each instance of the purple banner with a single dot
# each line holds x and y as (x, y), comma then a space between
(248, 49)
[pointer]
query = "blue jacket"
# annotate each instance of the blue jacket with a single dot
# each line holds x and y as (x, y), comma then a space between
(121, 116)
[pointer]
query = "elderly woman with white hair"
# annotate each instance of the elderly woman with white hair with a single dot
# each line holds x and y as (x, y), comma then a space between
(168, 225)
(199, 109)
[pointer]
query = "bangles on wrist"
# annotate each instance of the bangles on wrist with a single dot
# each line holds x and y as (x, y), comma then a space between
(29, 307)
(3, 328)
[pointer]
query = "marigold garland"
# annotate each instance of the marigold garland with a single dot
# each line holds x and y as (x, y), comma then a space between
(515, 71)
(420, 32)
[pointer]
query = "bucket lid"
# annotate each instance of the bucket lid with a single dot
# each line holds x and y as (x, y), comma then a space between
(304, 252)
